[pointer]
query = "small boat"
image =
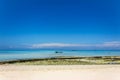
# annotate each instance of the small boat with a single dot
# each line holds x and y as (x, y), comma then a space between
(73, 50)
(58, 52)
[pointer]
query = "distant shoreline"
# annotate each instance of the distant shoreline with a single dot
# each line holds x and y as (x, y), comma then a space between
(66, 60)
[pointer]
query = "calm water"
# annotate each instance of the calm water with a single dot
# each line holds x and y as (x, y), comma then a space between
(14, 55)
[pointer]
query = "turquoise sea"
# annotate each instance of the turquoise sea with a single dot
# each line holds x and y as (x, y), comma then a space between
(30, 54)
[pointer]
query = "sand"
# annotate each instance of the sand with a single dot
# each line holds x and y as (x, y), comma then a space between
(60, 72)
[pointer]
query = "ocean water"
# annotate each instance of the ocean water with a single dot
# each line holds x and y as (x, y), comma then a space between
(30, 54)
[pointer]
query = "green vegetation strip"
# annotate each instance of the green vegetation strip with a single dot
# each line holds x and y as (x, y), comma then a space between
(67, 61)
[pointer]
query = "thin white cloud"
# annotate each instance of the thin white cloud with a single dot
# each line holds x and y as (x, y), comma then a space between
(113, 44)
(46, 45)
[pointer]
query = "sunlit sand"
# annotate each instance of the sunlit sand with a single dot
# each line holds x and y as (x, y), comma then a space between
(60, 72)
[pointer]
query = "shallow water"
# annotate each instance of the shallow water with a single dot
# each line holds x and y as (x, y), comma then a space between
(29, 54)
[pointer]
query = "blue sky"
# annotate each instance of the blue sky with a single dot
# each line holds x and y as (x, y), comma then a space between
(87, 22)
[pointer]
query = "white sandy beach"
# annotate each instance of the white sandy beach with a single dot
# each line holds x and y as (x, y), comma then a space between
(60, 72)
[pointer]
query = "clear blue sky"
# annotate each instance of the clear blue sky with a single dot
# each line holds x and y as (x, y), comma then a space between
(59, 21)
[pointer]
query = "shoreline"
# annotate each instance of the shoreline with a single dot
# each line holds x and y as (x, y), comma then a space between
(66, 60)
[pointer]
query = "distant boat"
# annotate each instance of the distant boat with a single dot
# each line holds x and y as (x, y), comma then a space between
(58, 52)
(74, 50)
